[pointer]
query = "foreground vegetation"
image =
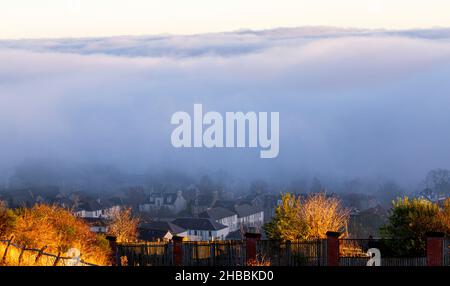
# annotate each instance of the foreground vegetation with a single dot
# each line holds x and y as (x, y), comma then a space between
(408, 222)
(411, 219)
(54, 229)
(309, 218)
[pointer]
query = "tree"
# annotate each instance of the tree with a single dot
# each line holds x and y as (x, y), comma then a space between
(387, 192)
(258, 187)
(7, 220)
(322, 214)
(287, 223)
(297, 219)
(316, 186)
(123, 226)
(408, 223)
(438, 181)
(59, 230)
(444, 216)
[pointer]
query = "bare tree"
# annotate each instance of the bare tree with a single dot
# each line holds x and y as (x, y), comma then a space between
(322, 214)
(123, 226)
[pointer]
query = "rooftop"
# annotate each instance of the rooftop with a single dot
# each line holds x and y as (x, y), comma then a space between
(217, 213)
(198, 224)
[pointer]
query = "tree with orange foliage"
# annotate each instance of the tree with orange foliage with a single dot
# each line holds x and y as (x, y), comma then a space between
(444, 216)
(322, 214)
(311, 218)
(59, 230)
(287, 223)
(7, 220)
(123, 226)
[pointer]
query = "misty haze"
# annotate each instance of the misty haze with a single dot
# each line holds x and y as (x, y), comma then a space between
(361, 106)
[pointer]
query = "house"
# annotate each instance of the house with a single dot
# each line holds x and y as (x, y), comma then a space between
(173, 202)
(202, 229)
(222, 216)
(97, 225)
(91, 208)
(160, 230)
(359, 201)
(249, 216)
(268, 203)
(64, 202)
(432, 196)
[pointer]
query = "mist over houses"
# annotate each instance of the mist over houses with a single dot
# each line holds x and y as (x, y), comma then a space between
(204, 209)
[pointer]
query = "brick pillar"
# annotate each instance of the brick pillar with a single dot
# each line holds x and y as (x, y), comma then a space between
(435, 248)
(177, 250)
(250, 243)
(333, 248)
(115, 259)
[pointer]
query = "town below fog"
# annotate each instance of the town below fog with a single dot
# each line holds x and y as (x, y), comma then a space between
(205, 207)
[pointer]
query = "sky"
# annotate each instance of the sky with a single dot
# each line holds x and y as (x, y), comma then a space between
(91, 18)
(352, 103)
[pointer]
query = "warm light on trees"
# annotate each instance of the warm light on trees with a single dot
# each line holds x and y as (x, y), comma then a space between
(287, 223)
(311, 218)
(7, 220)
(123, 226)
(410, 220)
(58, 230)
(322, 214)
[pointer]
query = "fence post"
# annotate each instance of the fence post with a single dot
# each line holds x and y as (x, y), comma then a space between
(288, 253)
(212, 250)
(38, 257)
(177, 250)
(333, 248)
(113, 245)
(22, 250)
(6, 249)
(55, 263)
(251, 240)
(435, 248)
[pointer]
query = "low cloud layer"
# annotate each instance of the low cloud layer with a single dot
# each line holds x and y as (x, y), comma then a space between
(351, 102)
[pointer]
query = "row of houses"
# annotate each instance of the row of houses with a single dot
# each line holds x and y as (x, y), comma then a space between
(195, 215)
(213, 224)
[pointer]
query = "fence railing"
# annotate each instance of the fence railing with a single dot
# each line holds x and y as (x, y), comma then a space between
(223, 253)
(353, 252)
(12, 254)
(346, 252)
(296, 253)
(447, 252)
(144, 254)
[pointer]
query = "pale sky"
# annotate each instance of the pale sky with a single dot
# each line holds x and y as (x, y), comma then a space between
(88, 18)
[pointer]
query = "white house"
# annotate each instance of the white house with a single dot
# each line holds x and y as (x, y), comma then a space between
(249, 216)
(174, 202)
(160, 231)
(95, 209)
(222, 216)
(202, 229)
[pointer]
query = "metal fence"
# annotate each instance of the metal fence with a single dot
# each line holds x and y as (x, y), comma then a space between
(145, 254)
(224, 253)
(394, 252)
(447, 251)
(297, 253)
(216, 253)
(16, 255)
(352, 252)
